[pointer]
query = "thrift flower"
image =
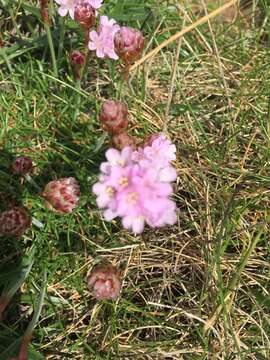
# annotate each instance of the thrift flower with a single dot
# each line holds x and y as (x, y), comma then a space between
(103, 40)
(136, 185)
(66, 7)
(104, 281)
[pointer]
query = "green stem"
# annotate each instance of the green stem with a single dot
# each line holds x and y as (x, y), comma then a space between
(50, 42)
(77, 100)
(61, 38)
(83, 71)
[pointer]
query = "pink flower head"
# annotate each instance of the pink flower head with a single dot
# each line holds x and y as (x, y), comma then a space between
(66, 7)
(104, 281)
(103, 40)
(136, 187)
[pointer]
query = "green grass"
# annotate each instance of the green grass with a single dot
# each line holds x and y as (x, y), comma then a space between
(197, 290)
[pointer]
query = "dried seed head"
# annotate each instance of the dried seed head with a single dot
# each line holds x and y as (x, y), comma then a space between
(22, 165)
(129, 44)
(114, 116)
(62, 195)
(104, 281)
(14, 222)
(120, 141)
(85, 15)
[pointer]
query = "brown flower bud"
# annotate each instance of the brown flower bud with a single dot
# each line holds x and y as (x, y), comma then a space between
(120, 141)
(22, 165)
(14, 222)
(104, 281)
(62, 195)
(77, 58)
(114, 116)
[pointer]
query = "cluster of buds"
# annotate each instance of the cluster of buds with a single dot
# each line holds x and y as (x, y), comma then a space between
(62, 196)
(14, 221)
(104, 281)
(114, 119)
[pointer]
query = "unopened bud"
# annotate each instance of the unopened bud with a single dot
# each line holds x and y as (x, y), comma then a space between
(22, 165)
(104, 281)
(129, 44)
(62, 195)
(114, 116)
(14, 221)
(85, 15)
(122, 140)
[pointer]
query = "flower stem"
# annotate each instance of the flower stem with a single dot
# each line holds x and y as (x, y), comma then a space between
(50, 42)
(61, 38)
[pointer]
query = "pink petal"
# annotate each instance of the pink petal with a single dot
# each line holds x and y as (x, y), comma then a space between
(138, 225)
(62, 11)
(109, 215)
(113, 156)
(168, 174)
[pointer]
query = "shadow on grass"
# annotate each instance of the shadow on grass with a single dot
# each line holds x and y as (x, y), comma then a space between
(15, 264)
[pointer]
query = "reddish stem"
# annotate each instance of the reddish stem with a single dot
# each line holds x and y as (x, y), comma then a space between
(86, 37)
(4, 300)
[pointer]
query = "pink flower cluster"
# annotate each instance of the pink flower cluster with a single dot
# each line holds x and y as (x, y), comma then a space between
(68, 6)
(103, 40)
(136, 185)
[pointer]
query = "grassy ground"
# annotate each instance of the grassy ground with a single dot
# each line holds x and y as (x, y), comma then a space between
(198, 290)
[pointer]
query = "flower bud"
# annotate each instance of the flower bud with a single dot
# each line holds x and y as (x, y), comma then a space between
(62, 195)
(122, 140)
(104, 281)
(14, 222)
(77, 58)
(114, 116)
(22, 165)
(85, 15)
(129, 44)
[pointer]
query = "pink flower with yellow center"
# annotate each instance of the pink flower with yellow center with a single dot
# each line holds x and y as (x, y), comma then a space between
(135, 186)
